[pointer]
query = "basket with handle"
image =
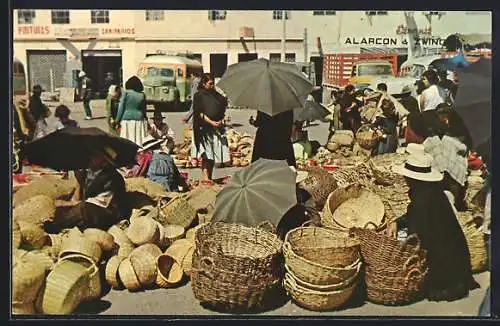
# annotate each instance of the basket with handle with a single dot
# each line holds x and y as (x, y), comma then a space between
(379, 250)
(94, 288)
(319, 183)
(103, 238)
(325, 246)
(318, 300)
(176, 211)
(80, 245)
(150, 248)
(111, 272)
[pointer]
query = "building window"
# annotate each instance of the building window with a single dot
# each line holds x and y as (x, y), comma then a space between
(290, 57)
(25, 16)
(217, 15)
(60, 16)
(278, 14)
(324, 13)
(376, 13)
(276, 57)
(99, 16)
(154, 15)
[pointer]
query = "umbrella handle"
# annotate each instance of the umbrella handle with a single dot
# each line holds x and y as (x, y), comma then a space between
(207, 265)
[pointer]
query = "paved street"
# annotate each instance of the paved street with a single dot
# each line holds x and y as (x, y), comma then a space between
(180, 301)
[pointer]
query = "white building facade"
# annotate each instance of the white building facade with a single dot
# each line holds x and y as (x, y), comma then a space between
(55, 44)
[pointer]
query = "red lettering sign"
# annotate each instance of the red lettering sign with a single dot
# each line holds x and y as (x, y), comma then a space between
(118, 31)
(33, 30)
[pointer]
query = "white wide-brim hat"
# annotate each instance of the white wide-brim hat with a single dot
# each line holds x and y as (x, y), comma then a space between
(149, 142)
(81, 74)
(299, 175)
(413, 148)
(418, 166)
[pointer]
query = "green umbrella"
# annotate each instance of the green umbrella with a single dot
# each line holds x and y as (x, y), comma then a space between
(263, 191)
(270, 87)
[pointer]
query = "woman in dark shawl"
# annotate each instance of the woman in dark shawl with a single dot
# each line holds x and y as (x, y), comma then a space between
(430, 215)
(210, 142)
(273, 139)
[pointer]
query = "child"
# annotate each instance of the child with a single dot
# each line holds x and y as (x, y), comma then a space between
(163, 170)
(62, 113)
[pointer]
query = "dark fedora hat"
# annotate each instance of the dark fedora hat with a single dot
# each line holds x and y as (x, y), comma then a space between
(38, 88)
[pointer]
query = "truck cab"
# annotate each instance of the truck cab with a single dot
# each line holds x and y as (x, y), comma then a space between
(365, 71)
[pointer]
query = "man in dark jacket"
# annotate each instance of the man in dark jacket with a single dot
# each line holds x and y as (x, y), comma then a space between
(86, 92)
(349, 112)
(39, 111)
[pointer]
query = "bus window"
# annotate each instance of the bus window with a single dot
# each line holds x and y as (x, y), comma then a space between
(19, 79)
(180, 73)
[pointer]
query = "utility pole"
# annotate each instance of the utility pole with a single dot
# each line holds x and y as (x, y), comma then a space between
(305, 46)
(283, 37)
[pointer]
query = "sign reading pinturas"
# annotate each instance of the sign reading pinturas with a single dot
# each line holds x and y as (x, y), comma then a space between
(392, 41)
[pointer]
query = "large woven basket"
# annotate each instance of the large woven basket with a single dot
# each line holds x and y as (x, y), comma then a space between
(103, 238)
(324, 246)
(318, 300)
(241, 249)
(367, 137)
(319, 183)
(371, 205)
(94, 288)
(176, 211)
(144, 264)
(143, 230)
(190, 234)
(475, 242)
(111, 272)
(66, 287)
(81, 245)
(127, 275)
(27, 279)
(397, 286)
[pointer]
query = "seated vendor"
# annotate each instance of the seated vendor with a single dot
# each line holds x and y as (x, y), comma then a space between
(302, 147)
(99, 200)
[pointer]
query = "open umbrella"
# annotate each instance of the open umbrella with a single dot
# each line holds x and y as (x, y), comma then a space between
(270, 87)
(263, 191)
(72, 148)
(310, 111)
(473, 100)
(451, 64)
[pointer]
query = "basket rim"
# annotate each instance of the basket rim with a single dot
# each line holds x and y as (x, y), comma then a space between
(318, 287)
(305, 290)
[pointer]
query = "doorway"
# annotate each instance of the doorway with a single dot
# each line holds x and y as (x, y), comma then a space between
(46, 68)
(97, 63)
(243, 57)
(218, 64)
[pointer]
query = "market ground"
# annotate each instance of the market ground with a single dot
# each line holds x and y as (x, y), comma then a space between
(181, 301)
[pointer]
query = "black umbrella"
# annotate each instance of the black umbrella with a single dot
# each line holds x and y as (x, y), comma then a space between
(473, 100)
(72, 148)
(310, 111)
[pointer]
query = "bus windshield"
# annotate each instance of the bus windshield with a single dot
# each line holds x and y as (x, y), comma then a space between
(19, 79)
(159, 72)
(370, 70)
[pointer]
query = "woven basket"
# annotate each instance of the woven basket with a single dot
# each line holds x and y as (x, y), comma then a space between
(319, 183)
(182, 252)
(55, 242)
(475, 242)
(328, 287)
(124, 250)
(37, 210)
(381, 251)
(162, 241)
(366, 137)
(27, 279)
(241, 249)
(111, 272)
(395, 286)
(172, 233)
(16, 235)
(127, 275)
(94, 287)
(32, 235)
(66, 287)
(176, 211)
(21, 308)
(373, 209)
(144, 264)
(190, 234)
(41, 258)
(17, 256)
(169, 271)
(142, 231)
(119, 236)
(324, 246)
(81, 245)
(103, 238)
(318, 300)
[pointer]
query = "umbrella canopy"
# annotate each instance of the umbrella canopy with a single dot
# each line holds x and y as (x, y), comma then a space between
(263, 191)
(473, 100)
(310, 111)
(72, 148)
(270, 87)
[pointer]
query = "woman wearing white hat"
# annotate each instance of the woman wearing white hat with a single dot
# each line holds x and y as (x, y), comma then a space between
(430, 215)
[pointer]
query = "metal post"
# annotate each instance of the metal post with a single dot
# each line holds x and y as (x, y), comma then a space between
(283, 37)
(305, 45)
(51, 73)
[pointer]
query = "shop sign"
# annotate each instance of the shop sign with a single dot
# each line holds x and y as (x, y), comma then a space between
(117, 31)
(33, 30)
(77, 32)
(393, 41)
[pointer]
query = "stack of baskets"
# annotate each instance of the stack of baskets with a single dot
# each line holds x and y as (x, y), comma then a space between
(394, 271)
(236, 267)
(322, 267)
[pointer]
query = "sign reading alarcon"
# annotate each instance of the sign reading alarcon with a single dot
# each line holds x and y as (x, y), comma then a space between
(392, 41)
(33, 30)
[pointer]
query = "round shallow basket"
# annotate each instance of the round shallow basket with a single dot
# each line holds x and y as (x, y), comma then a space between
(394, 286)
(143, 230)
(352, 206)
(23, 308)
(381, 251)
(317, 273)
(173, 233)
(169, 271)
(32, 235)
(144, 264)
(127, 275)
(324, 246)
(176, 211)
(111, 272)
(119, 236)
(241, 249)
(81, 245)
(182, 252)
(318, 300)
(319, 183)
(27, 279)
(328, 287)
(94, 288)
(367, 137)
(16, 235)
(55, 242)
(66, 287)
(103, 238)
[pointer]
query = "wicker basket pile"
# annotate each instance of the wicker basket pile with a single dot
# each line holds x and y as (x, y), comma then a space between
(236, 267)
(394, 271)
(322, 267)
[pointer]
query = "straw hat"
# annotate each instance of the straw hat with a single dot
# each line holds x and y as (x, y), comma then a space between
(413, 148)
(299, 175)
(418, 166)
(149, 141)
